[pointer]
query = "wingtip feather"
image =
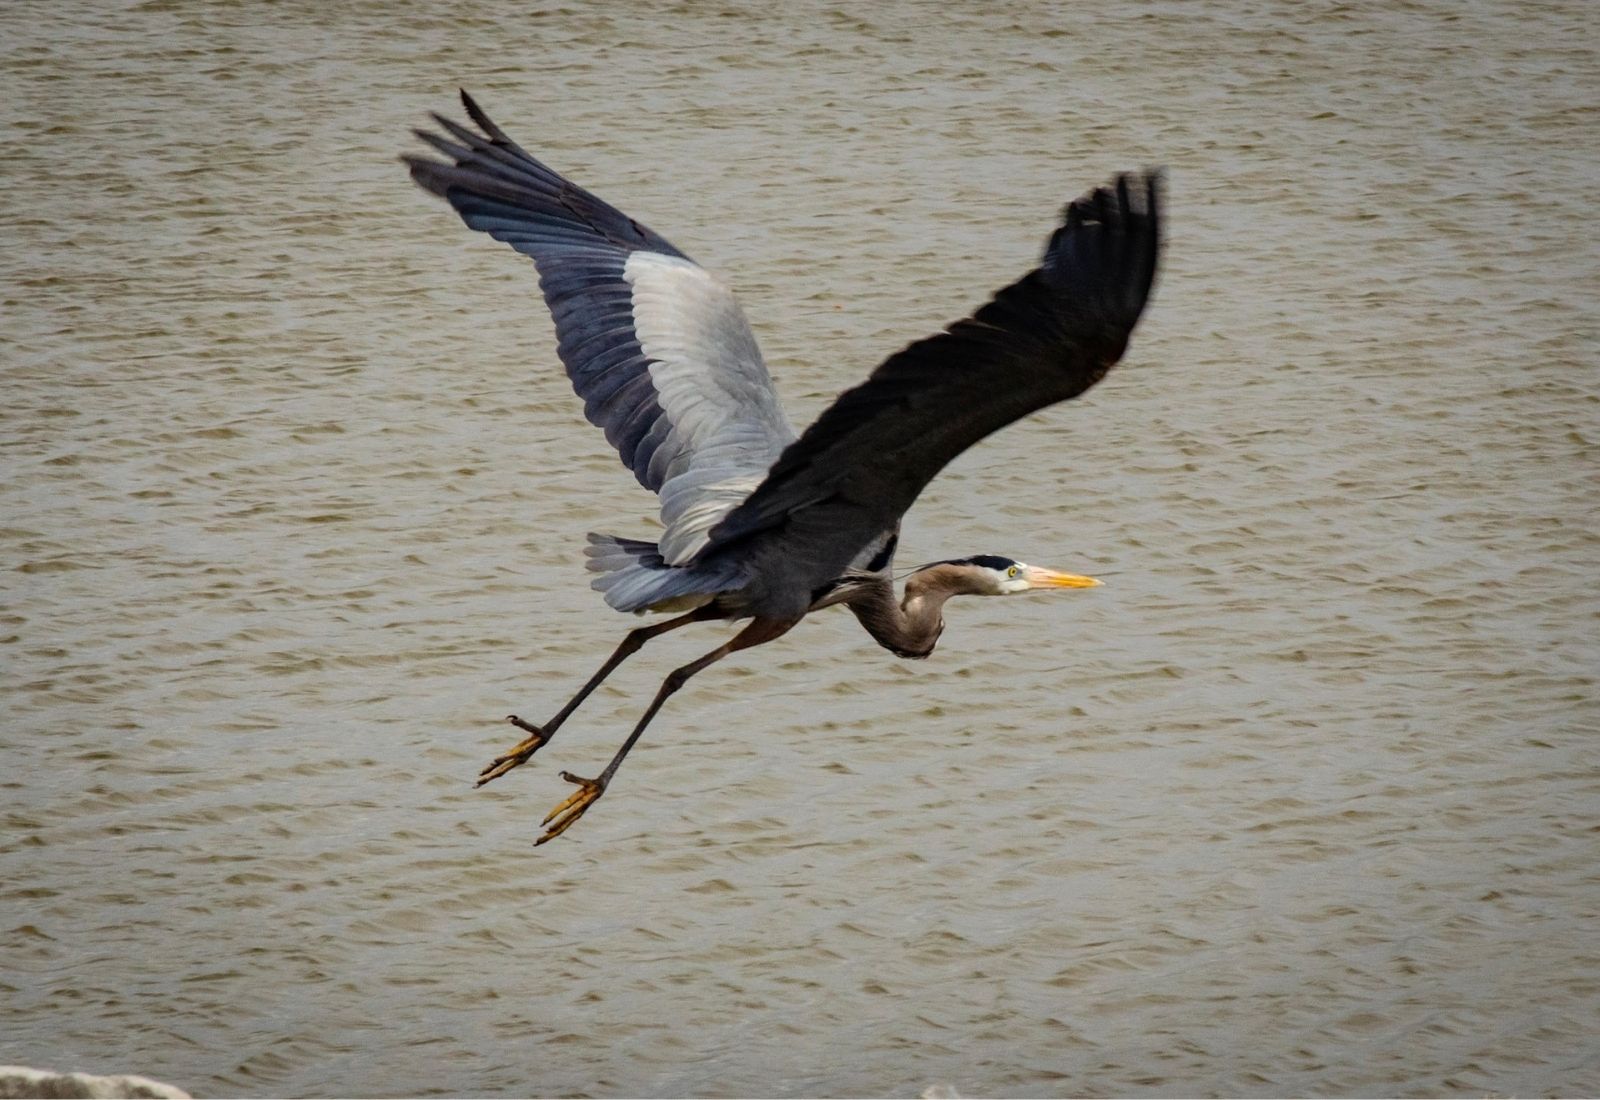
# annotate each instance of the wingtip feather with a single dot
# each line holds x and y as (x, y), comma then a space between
(481, 119)
(475, 112)
(1106, 252)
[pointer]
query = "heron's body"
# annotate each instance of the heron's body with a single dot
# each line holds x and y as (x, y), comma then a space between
(759, 522)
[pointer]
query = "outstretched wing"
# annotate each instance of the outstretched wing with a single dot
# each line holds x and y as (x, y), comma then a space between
(655, 345)
(1046, 338)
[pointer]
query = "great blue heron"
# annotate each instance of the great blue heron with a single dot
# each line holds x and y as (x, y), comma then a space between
(758, 523)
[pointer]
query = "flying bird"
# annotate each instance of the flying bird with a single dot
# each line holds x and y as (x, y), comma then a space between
(759, 522)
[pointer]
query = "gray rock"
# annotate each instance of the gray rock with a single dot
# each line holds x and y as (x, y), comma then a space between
(22, 1081)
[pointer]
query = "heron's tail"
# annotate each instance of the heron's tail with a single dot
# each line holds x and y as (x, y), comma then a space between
(635, 577)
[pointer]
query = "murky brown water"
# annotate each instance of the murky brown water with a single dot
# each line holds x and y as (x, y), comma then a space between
(1304, 801)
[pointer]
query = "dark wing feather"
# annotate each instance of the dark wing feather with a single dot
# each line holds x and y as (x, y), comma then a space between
(1045, 338)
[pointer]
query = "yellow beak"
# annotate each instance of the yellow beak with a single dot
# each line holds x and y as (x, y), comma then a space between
(1049, 578)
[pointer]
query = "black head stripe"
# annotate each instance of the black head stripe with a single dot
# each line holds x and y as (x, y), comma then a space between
(987, 561)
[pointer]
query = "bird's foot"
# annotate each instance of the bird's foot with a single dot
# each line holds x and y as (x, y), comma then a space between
(558, 820)
(518, 755)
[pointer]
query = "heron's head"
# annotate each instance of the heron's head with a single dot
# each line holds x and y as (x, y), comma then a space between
(991, 575)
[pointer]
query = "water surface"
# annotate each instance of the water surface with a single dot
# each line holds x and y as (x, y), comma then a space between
(1302, 802)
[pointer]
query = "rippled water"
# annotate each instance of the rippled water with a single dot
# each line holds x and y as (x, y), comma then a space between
(1303, 801)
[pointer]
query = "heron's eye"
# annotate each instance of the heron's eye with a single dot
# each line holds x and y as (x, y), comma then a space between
(1012, 572)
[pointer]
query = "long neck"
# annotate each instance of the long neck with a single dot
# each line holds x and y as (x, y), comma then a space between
(908, 627)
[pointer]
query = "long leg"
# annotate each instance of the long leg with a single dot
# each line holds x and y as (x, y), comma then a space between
(537, 735)
(589, 790)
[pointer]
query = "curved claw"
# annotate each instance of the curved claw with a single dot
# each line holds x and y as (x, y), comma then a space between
(562, 817)
(518, 754)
